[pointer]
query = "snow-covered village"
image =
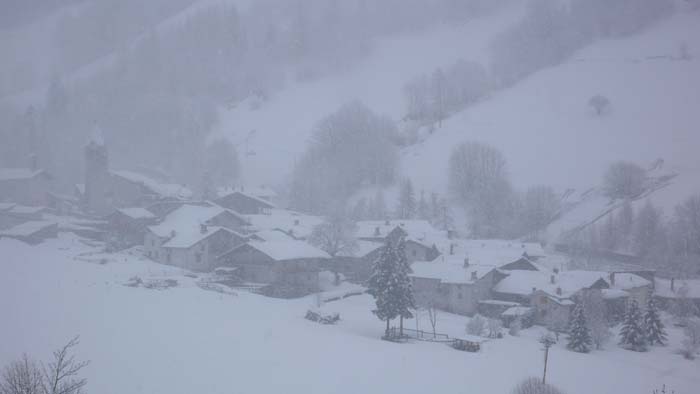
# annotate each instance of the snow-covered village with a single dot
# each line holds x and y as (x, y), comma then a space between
(322, 196)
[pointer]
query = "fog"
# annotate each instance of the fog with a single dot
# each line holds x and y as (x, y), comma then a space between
(189, 135)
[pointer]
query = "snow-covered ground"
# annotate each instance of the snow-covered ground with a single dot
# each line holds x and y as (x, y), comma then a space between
(542, 124)
(185, 339)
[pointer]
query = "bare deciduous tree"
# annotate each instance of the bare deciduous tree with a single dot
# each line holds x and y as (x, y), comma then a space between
(59, 376)
(600, 104)
(21, 377)
(432, 316)
(535, 386)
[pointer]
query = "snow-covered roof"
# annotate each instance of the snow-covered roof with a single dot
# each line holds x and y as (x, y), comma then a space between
(26, 210)
(188, 237)
(362, 249)
(27, 228)
(611, 294)
(449, 271)
(137, 213)
(273, 235)
(186, 218)
(492, 252)
(517, 311)
(288, 250)
(12, 174)
(570, 282)
(689, 288)
(626, 281)
(6, 206)
(261, 191)
(299, 224)
(499, 303)
(170, 190)
(418, 230)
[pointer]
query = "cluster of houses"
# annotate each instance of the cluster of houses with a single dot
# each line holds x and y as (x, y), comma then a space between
(244, 234)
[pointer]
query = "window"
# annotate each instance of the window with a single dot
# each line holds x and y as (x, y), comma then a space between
(460, 295)
(198, 257)
(414, 253)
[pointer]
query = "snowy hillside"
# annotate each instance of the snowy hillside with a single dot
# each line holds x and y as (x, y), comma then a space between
(185, 339)
(282, 125)
(541, 124)
(546, 132)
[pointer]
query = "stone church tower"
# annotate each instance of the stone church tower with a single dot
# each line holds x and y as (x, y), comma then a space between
(97, 177)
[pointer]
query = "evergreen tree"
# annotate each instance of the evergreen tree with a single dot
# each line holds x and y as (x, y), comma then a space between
(407, 201)
(653, 327)
(377, 207)
(579, 334)
(423, 212)
(382, 285)
(632, 335)
(404, 294)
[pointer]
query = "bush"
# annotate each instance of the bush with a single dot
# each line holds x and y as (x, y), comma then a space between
(535, 386)
(476, 325)
(691, 342)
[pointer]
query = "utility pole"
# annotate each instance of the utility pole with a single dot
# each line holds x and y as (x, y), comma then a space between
(547, 340)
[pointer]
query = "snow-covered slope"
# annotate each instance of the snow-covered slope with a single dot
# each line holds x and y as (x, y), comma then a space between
(547, 133)
(542, 124)
(283, 124)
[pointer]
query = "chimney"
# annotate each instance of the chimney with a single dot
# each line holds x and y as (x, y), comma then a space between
(551, 279)
(203, 228)
(376, 231)
(172, 233)
(33, 162)
(452, 249)
(296, 222)
(474, 277)
(386, 222)
(466, 262)
(673, 284)
(612, 279)
(556, 270)
(534, 289)
(558, 291)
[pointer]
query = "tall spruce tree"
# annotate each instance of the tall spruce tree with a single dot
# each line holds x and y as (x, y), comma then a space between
(405, 299)
(382, 285)
(653, 327)
(579, 335)
(407, 201)
(632, 334)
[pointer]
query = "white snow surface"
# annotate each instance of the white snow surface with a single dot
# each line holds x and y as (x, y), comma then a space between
(27, 228)
(289, 250)
(137, 213)
(187, 340)
(12, 174)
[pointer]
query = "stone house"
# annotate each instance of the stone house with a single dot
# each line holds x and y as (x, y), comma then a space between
(32, 232)
(291, 263)
(105, 190)
(357, 265)
(128, 226)
(452, 286)
(244, 203)
(27, 186)
(194, 236)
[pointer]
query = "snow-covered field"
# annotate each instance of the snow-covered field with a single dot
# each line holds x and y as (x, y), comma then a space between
(188, 340)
